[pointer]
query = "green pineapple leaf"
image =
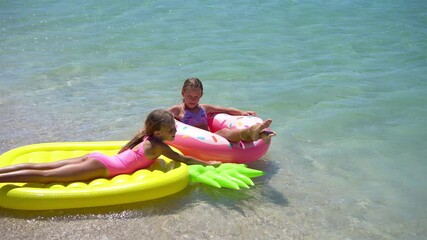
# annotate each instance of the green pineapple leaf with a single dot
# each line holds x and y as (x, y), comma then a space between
(228, 175)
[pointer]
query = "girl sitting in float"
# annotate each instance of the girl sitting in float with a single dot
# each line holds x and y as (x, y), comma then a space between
(239, 134)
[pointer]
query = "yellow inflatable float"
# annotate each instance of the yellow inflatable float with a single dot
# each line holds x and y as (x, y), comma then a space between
(165, 177)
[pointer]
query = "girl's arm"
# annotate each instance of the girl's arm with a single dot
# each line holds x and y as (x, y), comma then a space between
(165, 150)
(232, 111)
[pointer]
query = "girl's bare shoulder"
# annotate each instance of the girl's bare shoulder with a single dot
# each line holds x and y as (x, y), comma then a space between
(175, 109)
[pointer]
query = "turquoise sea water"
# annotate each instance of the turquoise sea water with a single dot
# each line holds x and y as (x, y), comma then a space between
(344, 82)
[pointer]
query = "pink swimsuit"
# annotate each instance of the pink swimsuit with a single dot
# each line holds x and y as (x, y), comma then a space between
(125, 162)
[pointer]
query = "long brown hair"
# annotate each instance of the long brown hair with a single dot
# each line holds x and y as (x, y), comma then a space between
(154, 122)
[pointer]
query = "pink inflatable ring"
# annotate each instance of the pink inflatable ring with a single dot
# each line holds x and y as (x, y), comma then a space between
(207, 145)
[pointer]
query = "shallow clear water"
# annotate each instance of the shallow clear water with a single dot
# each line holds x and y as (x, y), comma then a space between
(343, 81)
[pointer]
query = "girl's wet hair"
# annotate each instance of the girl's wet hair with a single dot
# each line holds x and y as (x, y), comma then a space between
(154, 122)
(192, 83)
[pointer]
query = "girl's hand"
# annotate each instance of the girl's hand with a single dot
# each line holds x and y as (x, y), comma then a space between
(213, 162)
(249, 113)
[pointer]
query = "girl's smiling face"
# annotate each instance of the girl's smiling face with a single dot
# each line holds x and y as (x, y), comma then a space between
(192, 97)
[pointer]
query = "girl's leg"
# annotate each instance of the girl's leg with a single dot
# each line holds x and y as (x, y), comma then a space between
(248, 134)
(41, 166)
(232, 135)
(85, 170)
